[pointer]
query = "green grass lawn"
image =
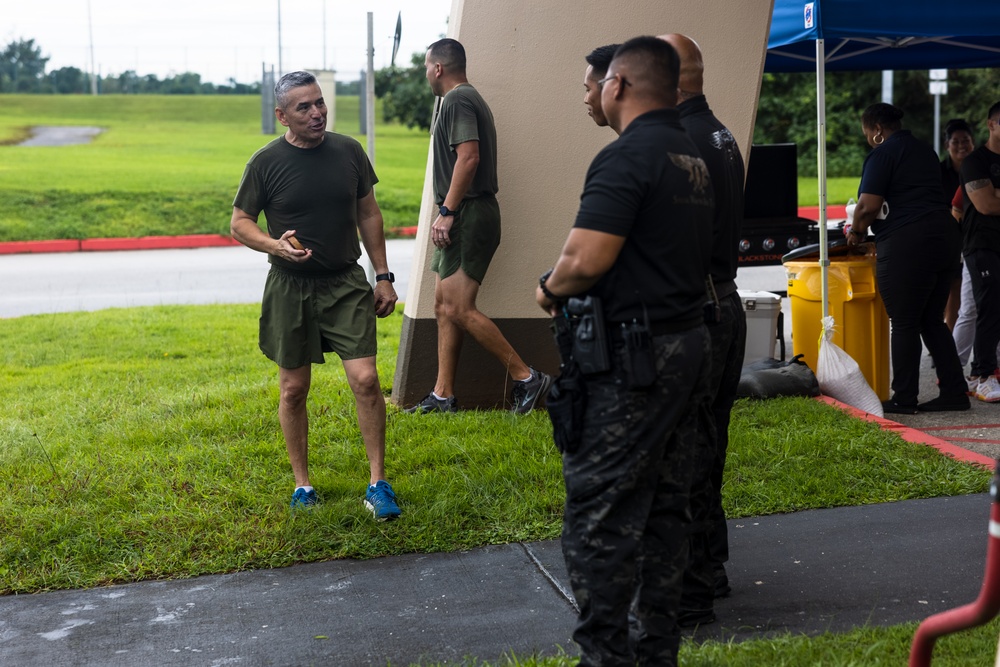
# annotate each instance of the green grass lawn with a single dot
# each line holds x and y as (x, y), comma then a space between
(864, 647)
(838, 191)
(170, 165)
(166, 165)
(144, 444)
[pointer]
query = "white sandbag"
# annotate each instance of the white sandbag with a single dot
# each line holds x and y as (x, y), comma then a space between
(841, 378)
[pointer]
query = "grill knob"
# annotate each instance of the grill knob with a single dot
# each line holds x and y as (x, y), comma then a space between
(768, 244)
(744, 245)
(793, 242)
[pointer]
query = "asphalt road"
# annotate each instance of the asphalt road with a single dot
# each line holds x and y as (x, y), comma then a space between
(87, 281)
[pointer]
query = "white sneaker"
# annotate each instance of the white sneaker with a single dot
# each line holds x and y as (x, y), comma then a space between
(988, 390)
(973, 381)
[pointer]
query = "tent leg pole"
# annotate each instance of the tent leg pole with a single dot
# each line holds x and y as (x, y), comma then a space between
(824, 259)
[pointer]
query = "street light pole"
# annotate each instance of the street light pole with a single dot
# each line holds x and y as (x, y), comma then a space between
(93, 64)
(370, 90)
(281, 69)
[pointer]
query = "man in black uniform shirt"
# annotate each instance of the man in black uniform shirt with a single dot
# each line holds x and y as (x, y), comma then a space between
(706, 573)
(980, 174)
(640, 244)
(597, 66)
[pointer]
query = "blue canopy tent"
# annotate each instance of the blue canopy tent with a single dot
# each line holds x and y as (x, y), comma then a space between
(859, 35)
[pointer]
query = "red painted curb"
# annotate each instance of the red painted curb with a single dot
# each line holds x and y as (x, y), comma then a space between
(158, 242)
(18, 247)
(832, 212)
(215, 240)
(141, 243)
(915, 436)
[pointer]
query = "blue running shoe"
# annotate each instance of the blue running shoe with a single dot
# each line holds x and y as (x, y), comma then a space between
(303, 499)
(381, 501)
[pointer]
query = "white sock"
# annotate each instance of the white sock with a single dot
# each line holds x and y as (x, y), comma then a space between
(307, 489)
(440, 398)
(530, 377)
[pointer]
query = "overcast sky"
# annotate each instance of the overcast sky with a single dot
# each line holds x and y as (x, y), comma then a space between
(221, 39)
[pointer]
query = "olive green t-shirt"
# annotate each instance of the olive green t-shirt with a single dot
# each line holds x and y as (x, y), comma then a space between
(314, 191)
(464, 116)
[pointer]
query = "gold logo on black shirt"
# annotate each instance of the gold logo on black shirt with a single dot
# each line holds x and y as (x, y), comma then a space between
(695, 168)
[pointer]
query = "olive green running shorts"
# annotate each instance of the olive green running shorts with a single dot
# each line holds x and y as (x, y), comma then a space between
(302, 317)
(475, 237)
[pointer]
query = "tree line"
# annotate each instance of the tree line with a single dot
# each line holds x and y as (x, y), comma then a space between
(786, 112)
(23, 70)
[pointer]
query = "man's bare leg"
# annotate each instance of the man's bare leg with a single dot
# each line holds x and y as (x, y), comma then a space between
(294, 419)
(362, 376)
(455, 308)
(450, 337)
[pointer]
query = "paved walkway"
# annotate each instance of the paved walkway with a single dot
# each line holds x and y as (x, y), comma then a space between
(804, 572)
(58, 135)
(807, 572)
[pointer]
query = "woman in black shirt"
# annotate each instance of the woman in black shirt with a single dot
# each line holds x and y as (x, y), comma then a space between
(918, 245)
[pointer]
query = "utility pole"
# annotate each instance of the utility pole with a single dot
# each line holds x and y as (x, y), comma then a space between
(370, 117)
(281, 69)
(370, 91)
(93, 64)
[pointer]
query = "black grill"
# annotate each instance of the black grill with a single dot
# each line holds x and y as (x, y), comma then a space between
(771, 222)
(764, 241)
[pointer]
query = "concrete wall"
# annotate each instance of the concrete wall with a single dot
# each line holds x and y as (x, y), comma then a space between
(527, 59)
(327, 80)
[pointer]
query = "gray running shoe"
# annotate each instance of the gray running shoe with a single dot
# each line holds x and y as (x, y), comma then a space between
(527, 393)
(431, 403)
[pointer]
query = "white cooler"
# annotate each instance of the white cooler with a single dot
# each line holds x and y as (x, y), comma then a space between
(762, 310)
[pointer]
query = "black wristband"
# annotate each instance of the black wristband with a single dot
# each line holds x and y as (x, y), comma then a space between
(545, 290)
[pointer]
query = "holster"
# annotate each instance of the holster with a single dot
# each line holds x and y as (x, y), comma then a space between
(567, 400)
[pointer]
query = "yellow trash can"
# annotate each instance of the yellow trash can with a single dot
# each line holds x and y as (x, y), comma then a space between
(861, 325)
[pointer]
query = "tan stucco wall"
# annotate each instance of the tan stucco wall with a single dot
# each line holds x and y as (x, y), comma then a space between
(327, 80)
(527, 59)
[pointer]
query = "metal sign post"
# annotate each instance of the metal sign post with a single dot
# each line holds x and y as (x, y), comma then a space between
(938, 87)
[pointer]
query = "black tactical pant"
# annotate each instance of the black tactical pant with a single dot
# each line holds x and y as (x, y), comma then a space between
(709, 534)
(627, 514)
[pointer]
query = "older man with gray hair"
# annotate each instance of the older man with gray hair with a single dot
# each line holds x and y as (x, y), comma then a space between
(316, 189)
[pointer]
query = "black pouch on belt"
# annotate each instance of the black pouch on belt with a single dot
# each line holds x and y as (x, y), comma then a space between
(640, 367)
(590, 337)
(712, 309)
